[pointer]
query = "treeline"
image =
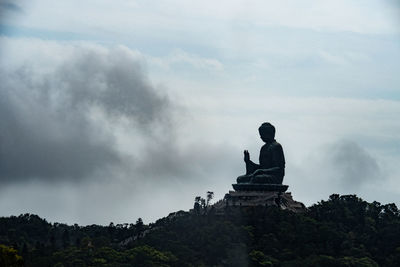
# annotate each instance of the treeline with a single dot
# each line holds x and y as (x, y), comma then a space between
(342, 231)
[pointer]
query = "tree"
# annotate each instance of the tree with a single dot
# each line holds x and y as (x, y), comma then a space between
(210, 196)
(9, 257)
(139, 223)
(203, 203)
(197, 205)
(65, 238)
(139, 226)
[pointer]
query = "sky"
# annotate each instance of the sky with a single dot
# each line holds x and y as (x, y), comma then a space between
(115, 110)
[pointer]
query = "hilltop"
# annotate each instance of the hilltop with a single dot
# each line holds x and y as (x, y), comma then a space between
(341, 231)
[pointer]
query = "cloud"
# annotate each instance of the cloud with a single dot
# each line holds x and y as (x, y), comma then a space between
(81, 125)
(184, 61)
(57, 122)
(82, 112)
(9, 6)
(352, 165)
(343, 166)
(202, 22)
(180, 56)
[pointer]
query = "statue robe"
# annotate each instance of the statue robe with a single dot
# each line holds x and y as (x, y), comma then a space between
(271, 167)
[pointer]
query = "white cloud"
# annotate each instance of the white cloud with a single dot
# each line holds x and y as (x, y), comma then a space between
(58, 115)
(194, 60)
(184, 60)
(371, 16)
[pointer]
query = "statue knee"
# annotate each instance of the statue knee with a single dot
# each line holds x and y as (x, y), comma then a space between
(243, 179)
(279, 180)
(263, 179)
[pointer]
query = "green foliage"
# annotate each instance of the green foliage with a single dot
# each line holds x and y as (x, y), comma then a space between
(357, 262)
(9, 257)
(342, 231)
(106, 256)
(258, 258)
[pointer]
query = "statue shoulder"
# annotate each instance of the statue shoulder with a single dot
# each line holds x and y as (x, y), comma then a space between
(275, 145)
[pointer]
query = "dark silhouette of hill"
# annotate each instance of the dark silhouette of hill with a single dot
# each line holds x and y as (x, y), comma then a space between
(342, 231)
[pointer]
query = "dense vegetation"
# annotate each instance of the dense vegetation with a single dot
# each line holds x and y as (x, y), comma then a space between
(343, 231)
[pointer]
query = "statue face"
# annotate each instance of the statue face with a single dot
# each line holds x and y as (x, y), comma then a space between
(266, 137)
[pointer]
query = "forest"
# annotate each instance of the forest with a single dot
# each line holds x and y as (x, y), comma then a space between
(341, 231)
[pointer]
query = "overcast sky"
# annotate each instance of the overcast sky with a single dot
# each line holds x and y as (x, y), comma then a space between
(115, 110)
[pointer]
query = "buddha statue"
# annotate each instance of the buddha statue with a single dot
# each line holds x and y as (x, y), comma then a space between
(271, 167)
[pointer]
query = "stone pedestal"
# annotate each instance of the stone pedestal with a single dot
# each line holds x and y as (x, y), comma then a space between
(263, 198)
(252, 195)
(260, 187)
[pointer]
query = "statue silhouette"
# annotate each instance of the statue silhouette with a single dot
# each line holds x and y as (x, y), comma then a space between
(272, 160)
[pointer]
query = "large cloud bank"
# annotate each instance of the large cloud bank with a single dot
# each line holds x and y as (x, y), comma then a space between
(57, 119)
(72, 112)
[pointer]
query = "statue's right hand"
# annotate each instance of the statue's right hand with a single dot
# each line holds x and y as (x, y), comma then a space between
(246, 156)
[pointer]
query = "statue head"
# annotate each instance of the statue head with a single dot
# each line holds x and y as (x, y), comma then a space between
(267, 132)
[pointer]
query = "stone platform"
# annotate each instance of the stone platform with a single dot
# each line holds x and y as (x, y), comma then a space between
(259, 198)
(260, 187)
